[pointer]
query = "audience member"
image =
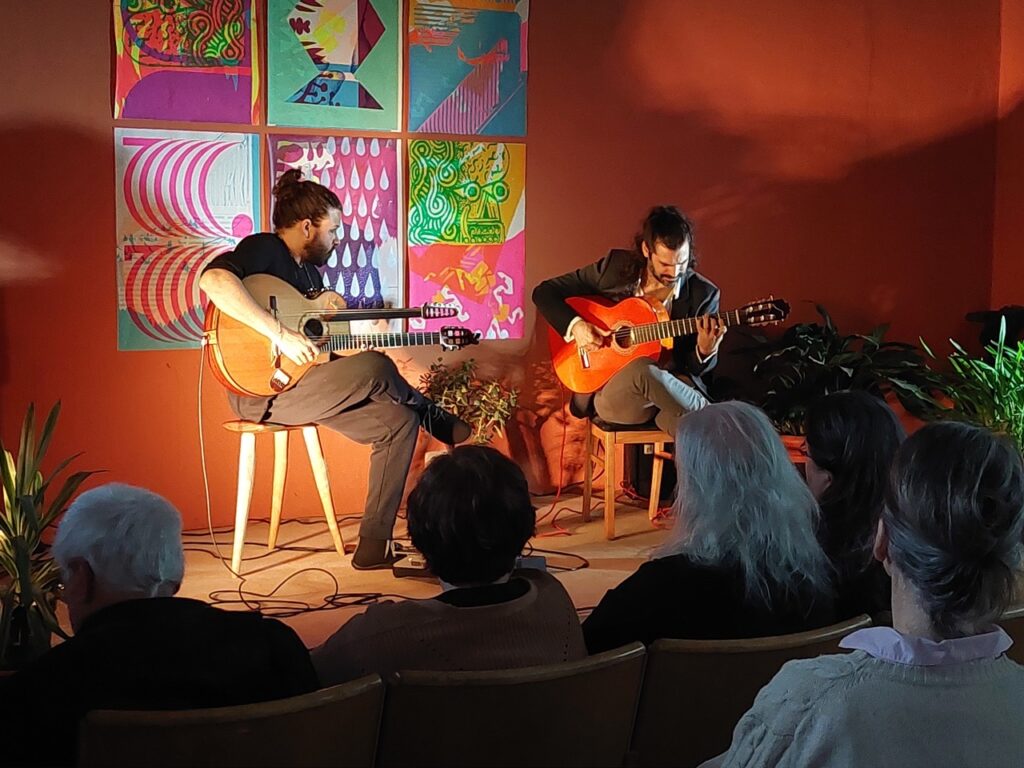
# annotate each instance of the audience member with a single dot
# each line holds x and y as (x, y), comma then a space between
(470, 515)
(935, 689)
(741, 560)
(135, 645)
(852, 438)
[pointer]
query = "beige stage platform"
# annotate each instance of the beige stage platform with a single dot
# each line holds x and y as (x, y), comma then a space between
(313, 575)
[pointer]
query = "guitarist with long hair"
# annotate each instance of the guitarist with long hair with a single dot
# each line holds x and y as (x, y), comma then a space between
(362, 396)
(660, 269)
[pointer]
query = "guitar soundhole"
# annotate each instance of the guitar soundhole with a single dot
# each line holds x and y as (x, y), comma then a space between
(620, 338)
(313, 329)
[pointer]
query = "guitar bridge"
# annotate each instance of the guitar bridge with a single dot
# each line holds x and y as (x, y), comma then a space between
(584, 357)
(279, 380)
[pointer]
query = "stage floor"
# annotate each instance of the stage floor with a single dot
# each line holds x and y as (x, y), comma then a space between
(296, 577)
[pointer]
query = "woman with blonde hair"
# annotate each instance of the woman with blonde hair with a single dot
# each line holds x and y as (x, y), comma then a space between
(742, 559)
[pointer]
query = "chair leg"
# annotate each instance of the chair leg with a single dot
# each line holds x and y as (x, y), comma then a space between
(657, 467)
(323, 485)
(246, 469)
(588, 474)
(609, 485)
(280, 472)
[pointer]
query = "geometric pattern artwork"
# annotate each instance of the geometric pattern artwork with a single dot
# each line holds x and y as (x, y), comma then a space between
(189, 60)
(333, 63)
(366, 267)
(467, 210)
(468, 67)
(182, 198)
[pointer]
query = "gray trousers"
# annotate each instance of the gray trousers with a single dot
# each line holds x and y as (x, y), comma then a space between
(642, 391)
(365, 398)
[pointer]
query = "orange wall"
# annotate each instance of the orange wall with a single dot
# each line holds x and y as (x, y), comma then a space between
(1008, 251)
(841, 152)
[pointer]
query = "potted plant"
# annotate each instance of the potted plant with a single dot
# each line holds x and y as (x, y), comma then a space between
(484, 404)
(810, 360)
(28, 574)
(988, 392)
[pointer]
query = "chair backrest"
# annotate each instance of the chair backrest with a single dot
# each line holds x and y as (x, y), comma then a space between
(1013, 622)
(335, 726)
(695, 691)
(568, 714)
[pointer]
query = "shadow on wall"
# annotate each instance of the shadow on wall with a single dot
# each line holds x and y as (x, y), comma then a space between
(57, 209)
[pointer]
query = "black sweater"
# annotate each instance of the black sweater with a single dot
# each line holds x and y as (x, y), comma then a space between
(675, 597)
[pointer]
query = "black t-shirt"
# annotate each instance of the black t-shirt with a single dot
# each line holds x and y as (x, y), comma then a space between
(267, 254)
(678, 598)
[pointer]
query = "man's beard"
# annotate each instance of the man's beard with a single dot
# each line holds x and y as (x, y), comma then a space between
(668, 282)
(316, 256)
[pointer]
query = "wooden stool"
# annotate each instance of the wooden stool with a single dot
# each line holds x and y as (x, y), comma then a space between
(603, 433)
(247, 431)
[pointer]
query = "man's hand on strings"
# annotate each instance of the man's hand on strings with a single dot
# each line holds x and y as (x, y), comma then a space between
(296, 347)
(710, 332)
(589, 337)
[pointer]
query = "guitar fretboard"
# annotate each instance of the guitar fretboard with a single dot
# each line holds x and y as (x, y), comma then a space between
(339, 342)
(684, 326)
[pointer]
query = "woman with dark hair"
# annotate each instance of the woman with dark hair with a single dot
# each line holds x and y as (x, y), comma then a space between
(852, 438)
(362, 396)
(936, 688)
(470, 515)
(741, 560)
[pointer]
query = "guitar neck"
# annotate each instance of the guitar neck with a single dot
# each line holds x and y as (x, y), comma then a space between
(341, 342)
(681, 327)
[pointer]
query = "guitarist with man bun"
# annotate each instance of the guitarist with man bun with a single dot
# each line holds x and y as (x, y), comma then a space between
(660, 269)
(363, 396)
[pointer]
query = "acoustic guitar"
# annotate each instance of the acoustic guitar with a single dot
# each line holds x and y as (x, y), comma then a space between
(639, 328)
(248, 363)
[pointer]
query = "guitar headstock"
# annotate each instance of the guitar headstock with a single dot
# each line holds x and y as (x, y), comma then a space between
(438, 312)
(456, 337)
(764, 311)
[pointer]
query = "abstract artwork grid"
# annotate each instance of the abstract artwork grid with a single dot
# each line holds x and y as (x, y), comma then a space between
(468, 67)
(189, 60)
(467, 210)
(182, 198)
(366, 267)
(333, 64)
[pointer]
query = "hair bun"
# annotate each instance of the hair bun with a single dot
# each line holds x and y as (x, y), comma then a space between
(287, 182)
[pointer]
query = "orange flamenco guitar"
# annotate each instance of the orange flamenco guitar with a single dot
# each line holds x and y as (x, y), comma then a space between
(639, 328)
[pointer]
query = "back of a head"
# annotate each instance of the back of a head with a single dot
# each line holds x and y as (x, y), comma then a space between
(470, 515)
(668, 225)
(130, 537)
(854, 436)
(296, 199)
(954, 514)
(741, 501)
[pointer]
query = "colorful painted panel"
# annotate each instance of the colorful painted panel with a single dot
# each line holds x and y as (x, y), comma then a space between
(366, 267)
(333, 64)
(467, 67)
(467, 214)
(182, 198)
(186, 60)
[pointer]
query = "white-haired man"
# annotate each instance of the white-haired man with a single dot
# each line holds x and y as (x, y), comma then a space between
(136, 646)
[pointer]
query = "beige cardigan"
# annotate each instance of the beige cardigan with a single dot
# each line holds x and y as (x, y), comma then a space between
(540, 627)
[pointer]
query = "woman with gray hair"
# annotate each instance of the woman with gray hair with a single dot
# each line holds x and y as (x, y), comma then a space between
(742, 559)
(136, 646)
(935, 689)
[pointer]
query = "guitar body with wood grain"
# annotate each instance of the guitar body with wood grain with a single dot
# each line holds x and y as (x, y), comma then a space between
(248, 363)
(639, 327)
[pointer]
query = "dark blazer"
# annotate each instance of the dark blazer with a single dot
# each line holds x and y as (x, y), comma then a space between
(615, 277)
(155, 653)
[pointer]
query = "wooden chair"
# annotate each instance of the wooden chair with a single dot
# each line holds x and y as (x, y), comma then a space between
(695, 691)
(247, 431)
(1013, 622)
(335, 726)
(610, 436)
(569, 714)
